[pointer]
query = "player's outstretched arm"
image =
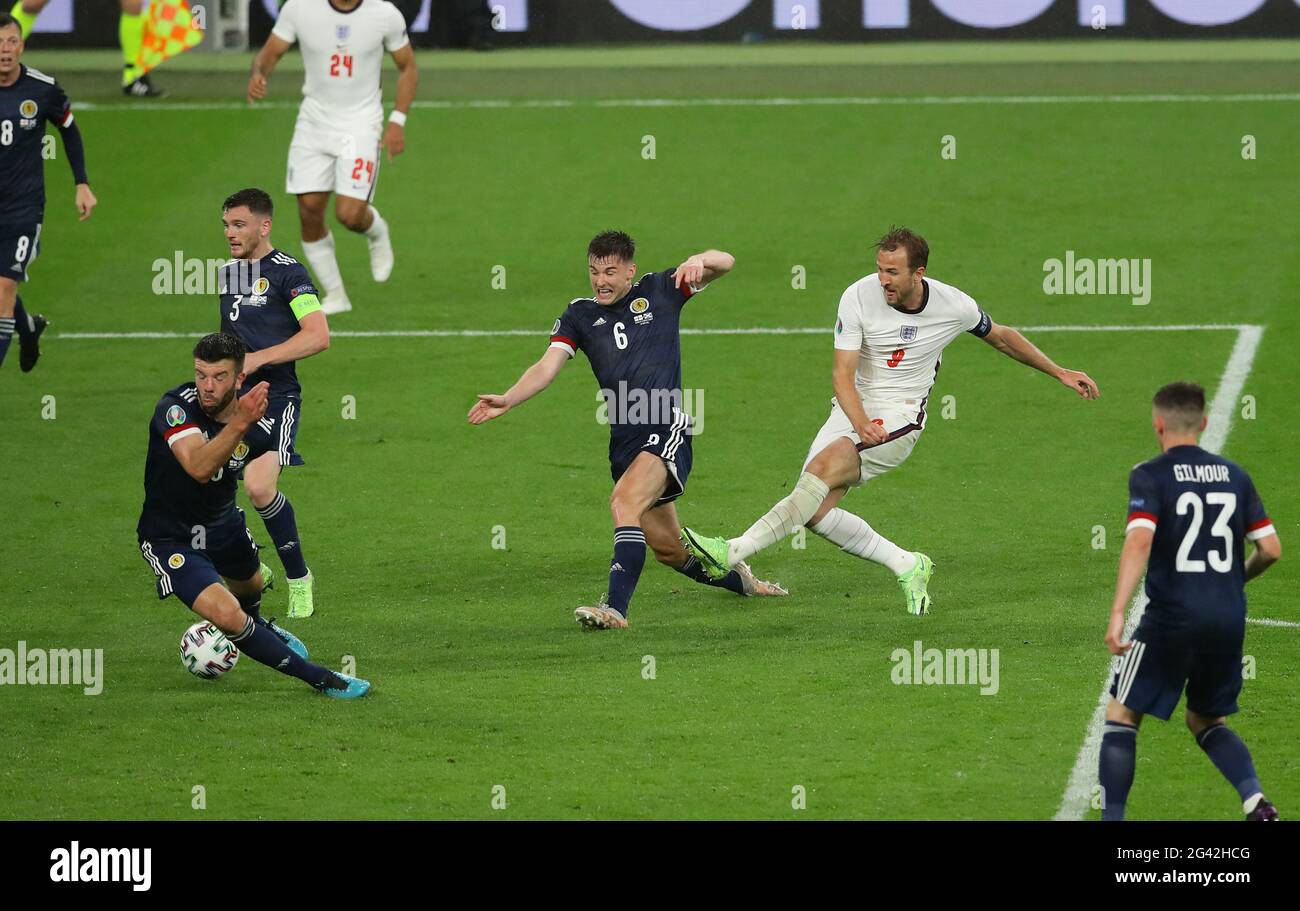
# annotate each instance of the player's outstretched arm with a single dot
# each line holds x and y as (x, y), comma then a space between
(408, 78)
(1132, 561)
(702, 268)
(312, 337)
(263, 64)
(535, 379)
(1268, 550)
(201, 460)
(1016, 346)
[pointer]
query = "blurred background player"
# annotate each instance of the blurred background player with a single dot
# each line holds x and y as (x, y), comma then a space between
(28, 101)
(892, 329)
(336, 140)
(130, 35)
(630, 334)
(269, 302)
(1190, 514)
(198, 441)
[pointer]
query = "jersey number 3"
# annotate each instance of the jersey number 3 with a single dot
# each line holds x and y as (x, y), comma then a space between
(1219, 562)
(339, 62)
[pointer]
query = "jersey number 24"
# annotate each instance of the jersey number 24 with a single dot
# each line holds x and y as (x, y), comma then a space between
(340, 62)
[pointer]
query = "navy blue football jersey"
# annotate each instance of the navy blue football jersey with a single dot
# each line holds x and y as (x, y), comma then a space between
(262, 303)
(174, 503)
(633, 345)
(25, 108)
(1202, 509)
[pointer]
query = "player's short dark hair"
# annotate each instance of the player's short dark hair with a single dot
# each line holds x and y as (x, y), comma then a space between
(258, 201)
(221, 346)
(1182, 403)
(612, 243)
(7, 20)
(918, 251)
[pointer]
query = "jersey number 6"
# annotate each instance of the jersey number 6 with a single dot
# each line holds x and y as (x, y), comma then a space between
(620, 338)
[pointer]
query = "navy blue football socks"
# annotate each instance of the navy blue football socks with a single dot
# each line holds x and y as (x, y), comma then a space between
(259, 643)
(6, 335)
(693, 570)
(1116, 763)
(1230, 756)
(22, 322)
(283, 529)
(629, 560)
(252, 605)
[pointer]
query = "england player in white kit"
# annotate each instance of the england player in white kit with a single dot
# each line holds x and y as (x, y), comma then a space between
(340, 129)
(889, 340)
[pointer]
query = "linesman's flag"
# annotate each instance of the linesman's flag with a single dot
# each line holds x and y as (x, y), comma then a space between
(170, 30)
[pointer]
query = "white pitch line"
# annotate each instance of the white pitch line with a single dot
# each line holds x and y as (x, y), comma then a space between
(846, 101)
(1266, 621)
(753, 330)
(1078, 789)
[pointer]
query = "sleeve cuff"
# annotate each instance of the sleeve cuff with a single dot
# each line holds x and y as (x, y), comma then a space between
(1140, 520)
(180, 433)
(564, 344)
(397, 47)
(1261, 531)
(290, 37)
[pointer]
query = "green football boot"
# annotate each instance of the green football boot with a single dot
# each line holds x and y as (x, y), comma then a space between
(268, 578)
(300, 604)
(914, 582)
(711, 552)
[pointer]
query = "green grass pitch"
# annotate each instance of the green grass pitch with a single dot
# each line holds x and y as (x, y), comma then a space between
(482, 679)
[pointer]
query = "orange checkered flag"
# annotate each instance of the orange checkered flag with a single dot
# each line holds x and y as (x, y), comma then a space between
(170, 30)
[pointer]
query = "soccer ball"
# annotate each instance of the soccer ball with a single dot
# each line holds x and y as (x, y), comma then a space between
(206, 652)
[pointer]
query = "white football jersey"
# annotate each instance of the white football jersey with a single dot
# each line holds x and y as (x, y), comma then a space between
(900, 352)
(342, 54)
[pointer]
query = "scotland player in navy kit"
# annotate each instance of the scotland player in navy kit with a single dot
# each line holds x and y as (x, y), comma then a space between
(629, 333)
(269, 301)
(28, 101)
(193, 535)
(1190, 512)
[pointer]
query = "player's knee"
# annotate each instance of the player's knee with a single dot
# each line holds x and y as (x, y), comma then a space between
(260, 490)
(352, 217)
(219, 607)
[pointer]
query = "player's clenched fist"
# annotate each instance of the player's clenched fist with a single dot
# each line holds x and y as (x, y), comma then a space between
(252, 404)
(86, 201)
(488, 407)
(690, 272)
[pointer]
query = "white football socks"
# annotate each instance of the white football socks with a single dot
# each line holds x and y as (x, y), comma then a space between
(856, 537)
(781, 520)
(378, 227)
(324, 267)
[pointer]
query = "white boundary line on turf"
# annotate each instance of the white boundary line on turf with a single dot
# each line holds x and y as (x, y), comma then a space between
(759, 330)
(846, 101)
(1266, 621)
(1078, 789)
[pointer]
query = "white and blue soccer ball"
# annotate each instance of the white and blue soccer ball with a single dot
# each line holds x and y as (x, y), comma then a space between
(206, 652)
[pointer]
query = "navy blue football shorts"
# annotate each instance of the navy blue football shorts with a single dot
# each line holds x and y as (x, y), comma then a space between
(19, 244)
(670, 442)
(277, 431)
(185, 570)
(1153, 675)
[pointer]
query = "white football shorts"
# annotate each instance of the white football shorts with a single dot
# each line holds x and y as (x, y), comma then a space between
(899, 421)
(343, 159)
